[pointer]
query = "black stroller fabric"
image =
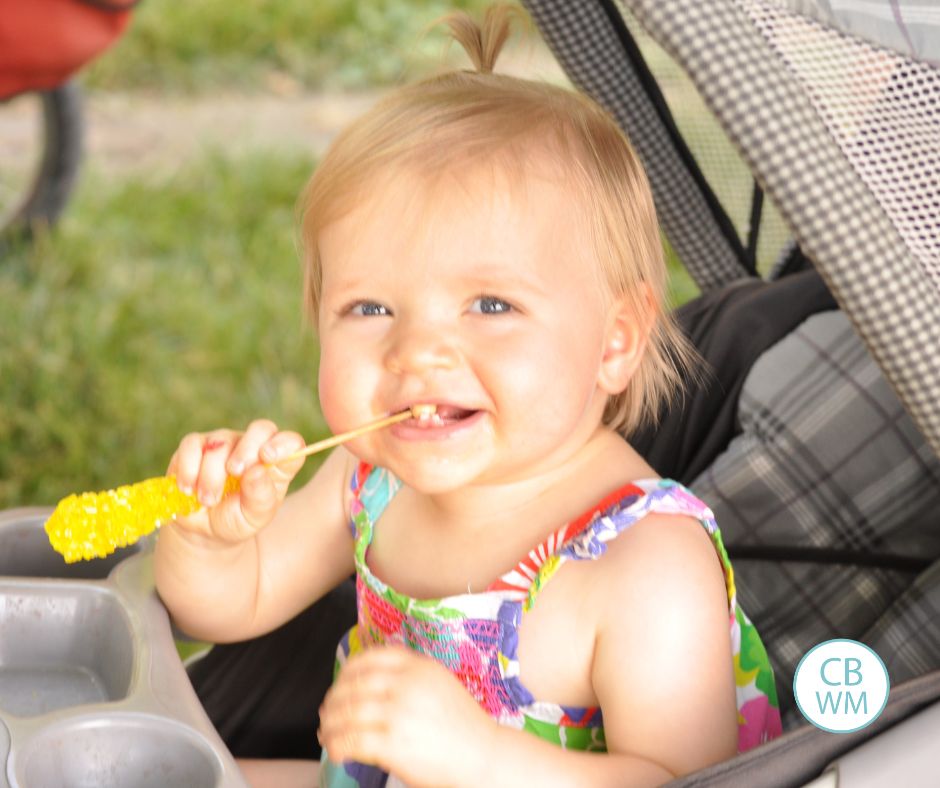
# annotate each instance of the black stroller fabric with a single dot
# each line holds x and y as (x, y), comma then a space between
(731, 327)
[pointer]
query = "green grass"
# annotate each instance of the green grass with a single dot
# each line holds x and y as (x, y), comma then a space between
(154, 309)
(278, 44)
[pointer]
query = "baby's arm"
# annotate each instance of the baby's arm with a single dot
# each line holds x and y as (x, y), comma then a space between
(662, 669)
(250, 561)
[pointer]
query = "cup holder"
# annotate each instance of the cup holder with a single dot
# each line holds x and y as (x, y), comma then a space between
(25, 551)
(116, 751)
(62, 646)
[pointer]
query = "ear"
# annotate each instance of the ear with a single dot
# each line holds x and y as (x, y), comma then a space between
(629, 321)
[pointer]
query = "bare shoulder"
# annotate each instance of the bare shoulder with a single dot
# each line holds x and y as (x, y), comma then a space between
(664, 551)
(663, 668)
(668, 580)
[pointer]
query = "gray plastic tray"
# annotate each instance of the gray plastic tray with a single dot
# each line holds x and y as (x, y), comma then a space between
(92, 691)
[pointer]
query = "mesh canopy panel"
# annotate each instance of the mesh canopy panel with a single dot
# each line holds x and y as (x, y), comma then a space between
(792, 96)
(882, 109)
(911, 27)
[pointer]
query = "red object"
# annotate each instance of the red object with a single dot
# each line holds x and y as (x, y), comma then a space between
(44, 42)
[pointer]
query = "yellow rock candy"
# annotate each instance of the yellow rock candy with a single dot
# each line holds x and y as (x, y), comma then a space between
(94, 525)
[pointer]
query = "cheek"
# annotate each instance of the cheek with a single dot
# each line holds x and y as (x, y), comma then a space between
(342, 387)
(551, 379)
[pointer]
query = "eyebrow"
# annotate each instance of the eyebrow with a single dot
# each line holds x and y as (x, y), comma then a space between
(483, 276)
(490, 275)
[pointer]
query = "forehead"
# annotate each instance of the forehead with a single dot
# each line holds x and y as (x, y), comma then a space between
(525, 215)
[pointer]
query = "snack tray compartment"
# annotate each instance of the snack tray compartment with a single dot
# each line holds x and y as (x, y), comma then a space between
(92, 690)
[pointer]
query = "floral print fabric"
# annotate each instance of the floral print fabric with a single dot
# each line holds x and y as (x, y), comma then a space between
(475, 635)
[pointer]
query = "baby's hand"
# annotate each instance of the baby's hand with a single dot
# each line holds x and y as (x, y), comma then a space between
(409, 715)
(202, 462)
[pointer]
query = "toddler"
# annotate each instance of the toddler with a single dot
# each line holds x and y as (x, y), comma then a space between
(535, 605)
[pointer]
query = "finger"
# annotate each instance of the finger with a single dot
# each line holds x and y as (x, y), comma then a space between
(358, 699)
(346, 716)
(283, 444)
(280, 445)
(356, 683)
(216, 448)
(171, 468)
(258, 497)
(188, 461)
(246, 451)
(374, 673)
(362, 674)
(367, 745)
(352, 711)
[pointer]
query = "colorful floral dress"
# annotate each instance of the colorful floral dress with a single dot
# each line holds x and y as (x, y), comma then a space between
(475, 635)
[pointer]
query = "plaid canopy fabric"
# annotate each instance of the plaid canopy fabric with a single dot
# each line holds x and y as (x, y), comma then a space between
(833, 482)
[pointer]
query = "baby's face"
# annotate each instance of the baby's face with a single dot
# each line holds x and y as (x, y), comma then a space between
(480, 297)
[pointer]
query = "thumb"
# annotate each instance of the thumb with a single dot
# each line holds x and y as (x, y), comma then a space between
(240, 516)
(260, 497)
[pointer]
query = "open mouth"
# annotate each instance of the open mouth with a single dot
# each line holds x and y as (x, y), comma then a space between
(443, 416)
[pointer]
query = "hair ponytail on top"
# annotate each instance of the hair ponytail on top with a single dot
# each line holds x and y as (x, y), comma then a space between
(483, 43)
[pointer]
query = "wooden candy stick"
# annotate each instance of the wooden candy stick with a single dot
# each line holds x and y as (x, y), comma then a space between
(94, 525)
(420, 412)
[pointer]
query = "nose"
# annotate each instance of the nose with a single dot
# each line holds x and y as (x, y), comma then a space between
(421, 348)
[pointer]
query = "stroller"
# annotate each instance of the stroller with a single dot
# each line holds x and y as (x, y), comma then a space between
(827, 487)
(42, 44)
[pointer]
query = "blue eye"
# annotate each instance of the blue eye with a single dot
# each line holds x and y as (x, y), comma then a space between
(490, 305)
(368, 309)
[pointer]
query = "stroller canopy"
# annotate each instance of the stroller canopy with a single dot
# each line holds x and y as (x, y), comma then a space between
(842, 132)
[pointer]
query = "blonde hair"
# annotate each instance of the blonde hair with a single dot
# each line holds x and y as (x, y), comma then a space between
(479, 116)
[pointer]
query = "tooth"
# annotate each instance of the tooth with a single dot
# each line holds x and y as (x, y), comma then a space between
(423, 412)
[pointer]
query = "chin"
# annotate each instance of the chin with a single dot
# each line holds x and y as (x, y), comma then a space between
(434, 477)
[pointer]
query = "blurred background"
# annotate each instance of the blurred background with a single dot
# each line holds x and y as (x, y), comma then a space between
(167, 298)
